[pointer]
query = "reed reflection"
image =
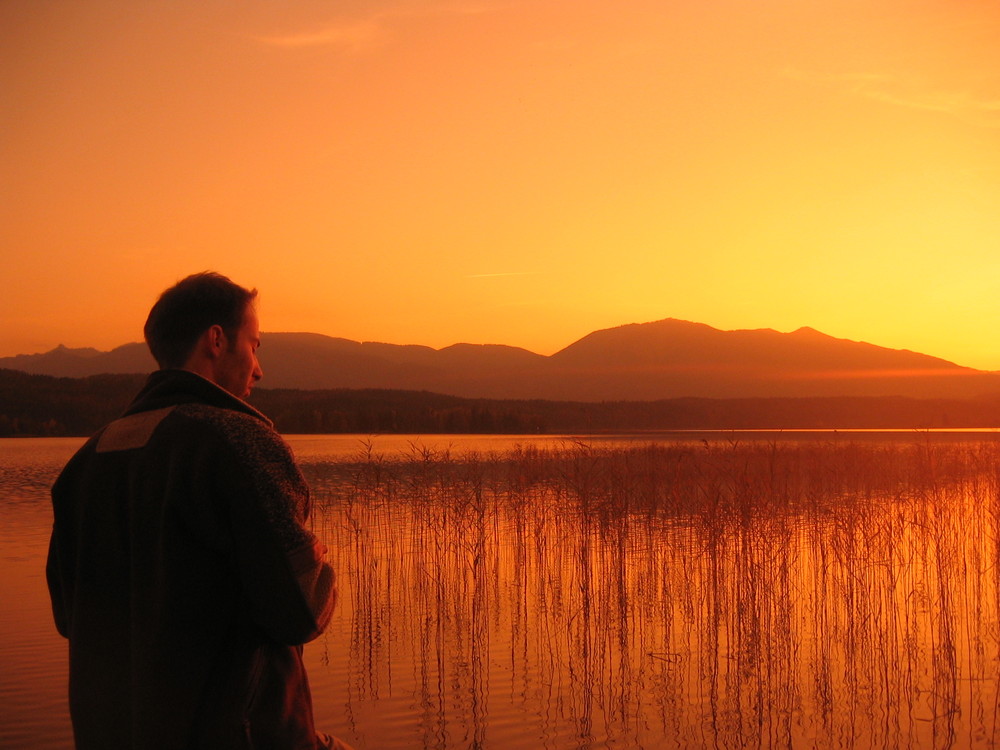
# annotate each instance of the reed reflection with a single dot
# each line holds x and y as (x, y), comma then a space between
(740, 595)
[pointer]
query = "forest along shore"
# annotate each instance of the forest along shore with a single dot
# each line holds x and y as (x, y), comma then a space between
(45, 406)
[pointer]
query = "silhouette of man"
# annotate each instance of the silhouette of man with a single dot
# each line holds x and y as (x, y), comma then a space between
(179, 566)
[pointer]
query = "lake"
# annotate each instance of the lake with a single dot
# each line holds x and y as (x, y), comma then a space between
(650, 591)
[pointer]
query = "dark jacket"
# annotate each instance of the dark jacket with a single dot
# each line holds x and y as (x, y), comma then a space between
(182, 573)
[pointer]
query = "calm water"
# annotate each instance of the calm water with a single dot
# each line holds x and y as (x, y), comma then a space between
(713, 590)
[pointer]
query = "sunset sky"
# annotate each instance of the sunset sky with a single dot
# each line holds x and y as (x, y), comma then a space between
(505, 171)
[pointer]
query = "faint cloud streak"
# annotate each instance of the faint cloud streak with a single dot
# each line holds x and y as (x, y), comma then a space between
(498, 275)
(362, 35)
(900, 92)
(357, 36)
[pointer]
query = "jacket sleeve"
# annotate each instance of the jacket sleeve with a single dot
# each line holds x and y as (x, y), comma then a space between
(280, 563)
(57, 587)
(59, 574)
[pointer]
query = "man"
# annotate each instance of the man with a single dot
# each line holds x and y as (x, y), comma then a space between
(180, 568)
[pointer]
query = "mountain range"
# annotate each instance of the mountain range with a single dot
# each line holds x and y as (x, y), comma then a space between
(638, 362)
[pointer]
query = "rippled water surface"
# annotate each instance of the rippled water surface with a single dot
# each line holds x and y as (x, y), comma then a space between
(738, 591)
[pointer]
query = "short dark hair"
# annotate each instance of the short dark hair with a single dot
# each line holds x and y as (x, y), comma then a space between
(188, 309)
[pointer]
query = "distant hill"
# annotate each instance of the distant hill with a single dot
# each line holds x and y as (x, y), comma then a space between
(78, 363)
(639, 362)
(672, 358)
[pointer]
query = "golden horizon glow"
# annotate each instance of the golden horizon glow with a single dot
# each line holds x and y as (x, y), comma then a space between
(506, 171)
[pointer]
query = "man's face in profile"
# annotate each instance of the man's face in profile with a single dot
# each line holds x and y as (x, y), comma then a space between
(238, 369)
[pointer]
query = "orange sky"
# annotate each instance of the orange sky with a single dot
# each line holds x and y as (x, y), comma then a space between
(505, 171)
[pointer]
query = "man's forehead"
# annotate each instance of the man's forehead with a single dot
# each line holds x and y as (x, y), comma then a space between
(251, 321)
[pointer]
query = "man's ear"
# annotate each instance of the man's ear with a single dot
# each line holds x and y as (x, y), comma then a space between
(215, 341)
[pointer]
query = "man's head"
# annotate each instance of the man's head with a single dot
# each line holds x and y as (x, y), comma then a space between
(207, 324)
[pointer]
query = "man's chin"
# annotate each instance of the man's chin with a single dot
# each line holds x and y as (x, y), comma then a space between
(245, 393)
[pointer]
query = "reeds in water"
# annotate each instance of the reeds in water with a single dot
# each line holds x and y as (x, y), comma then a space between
(689, 595)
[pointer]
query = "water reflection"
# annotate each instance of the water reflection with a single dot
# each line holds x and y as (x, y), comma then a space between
(727, 596)
(33, 669)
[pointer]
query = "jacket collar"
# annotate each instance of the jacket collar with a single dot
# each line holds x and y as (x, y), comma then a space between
(174, 387)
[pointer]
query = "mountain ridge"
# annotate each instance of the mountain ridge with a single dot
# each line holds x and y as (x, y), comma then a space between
(669, 358)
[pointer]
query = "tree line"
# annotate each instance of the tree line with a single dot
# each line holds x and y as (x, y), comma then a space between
(41, 405)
